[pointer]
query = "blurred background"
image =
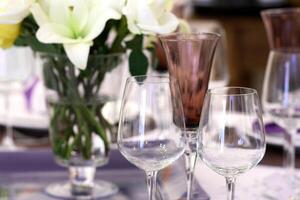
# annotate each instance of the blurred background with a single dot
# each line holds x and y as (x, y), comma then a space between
(240, 60)
(245, 38)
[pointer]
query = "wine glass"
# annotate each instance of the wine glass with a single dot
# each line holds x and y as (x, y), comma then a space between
(151, 131)
(15, 70)
(232, 139)
(281, 88)
(189, 58)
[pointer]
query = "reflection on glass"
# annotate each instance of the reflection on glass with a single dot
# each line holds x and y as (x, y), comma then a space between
(151, 127)
(232, 138)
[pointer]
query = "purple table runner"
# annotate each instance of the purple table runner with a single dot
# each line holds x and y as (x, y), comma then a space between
(25, 174)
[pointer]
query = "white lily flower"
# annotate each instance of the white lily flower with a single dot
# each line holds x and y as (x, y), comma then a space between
(117, 5)
(74, 23)
(14, 11)
(150, 16)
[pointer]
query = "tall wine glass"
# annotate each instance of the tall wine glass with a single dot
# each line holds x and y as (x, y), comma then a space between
(232, 140)
(190, 59)
(15, 70)
(151, 127)
(281, 89)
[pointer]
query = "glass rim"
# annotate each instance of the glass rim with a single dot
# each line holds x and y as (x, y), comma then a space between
(189, 36)
(155, 79)
(279, 11)
(225, 91)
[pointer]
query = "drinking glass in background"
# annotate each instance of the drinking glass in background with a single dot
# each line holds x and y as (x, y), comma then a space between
(151, 131)
(281, 88)
(219, 75)
(189, 59)
(16, 67)
(232, 137)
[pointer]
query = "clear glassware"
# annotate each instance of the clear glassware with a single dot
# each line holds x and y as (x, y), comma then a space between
(151, 131)
(81, 158)
(189, 58)
(232, 138)
(16, 67)
(281, 88)
(79, 132)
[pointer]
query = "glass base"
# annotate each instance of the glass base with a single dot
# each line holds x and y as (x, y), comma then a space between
(63, 190)
(9, 145)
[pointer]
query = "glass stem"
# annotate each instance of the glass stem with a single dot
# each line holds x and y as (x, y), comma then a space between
(230, 182)
(190, 160)
(82, 180)
(151, 183)
(8, 136)
(289, 157)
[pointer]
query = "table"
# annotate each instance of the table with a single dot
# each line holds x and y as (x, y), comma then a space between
(37, 162)
(25, 174)
(253, 185)
(264, 182)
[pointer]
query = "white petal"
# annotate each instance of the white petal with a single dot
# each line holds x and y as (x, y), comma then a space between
(97, 21)
(168, 24)
(39, 14)
(169, 5)
(54, 33)
(133, 28)
(78, 53)
(117, 5)
(130, 11)
(157, 8)
(146, 15)
(14, 11)
(80, 15)
(59, 12)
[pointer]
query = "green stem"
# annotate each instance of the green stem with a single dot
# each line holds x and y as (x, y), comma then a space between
(121, 34)
(96, 126)
(73, 110)
(84, 130)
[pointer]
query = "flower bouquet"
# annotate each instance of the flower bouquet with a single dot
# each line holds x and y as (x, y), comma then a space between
(77, 42)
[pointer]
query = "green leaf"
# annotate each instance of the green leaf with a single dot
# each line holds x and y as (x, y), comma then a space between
(136, 43)
(138, 63)
(36, 45)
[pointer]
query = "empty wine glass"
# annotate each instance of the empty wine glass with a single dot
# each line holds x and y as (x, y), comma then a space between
(189, 59)
(15, 70)
(232, 139)
(151, 126)
(281, 89)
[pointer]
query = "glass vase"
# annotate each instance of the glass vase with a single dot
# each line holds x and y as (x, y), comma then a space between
(79, 132)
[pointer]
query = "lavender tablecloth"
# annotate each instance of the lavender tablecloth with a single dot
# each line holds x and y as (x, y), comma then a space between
(25, 174)
(43, 160)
